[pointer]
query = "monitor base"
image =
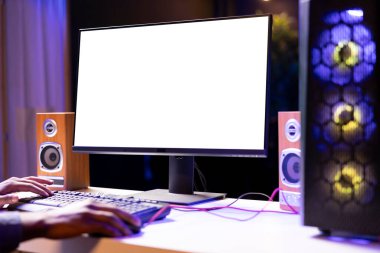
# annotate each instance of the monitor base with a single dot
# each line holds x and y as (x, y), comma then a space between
(163, 195)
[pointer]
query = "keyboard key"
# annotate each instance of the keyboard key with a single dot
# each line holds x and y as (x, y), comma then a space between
(46, 202)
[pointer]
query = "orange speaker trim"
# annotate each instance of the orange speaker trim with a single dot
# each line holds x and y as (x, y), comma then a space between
(289, 155)
(73, 171)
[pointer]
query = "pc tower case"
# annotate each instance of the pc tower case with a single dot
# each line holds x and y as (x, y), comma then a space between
(340, 104)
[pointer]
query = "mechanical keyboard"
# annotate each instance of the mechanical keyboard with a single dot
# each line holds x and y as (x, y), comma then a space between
(144, 209)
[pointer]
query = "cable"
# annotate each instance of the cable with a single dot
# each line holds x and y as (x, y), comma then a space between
(210, 209)
(287, 203)
(202, 178)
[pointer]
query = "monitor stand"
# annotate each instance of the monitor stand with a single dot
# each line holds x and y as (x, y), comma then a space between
(181, 181)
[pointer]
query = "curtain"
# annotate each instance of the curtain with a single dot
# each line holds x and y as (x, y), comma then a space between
(36, 76)
(2, 90)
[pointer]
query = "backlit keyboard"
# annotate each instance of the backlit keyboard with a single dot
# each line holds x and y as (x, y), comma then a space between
(144, 209)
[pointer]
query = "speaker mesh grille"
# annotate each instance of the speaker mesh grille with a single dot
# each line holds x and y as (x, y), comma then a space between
(341, 158)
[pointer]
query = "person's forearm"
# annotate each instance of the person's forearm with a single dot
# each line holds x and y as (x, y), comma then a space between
(33, 225)
(10, 231)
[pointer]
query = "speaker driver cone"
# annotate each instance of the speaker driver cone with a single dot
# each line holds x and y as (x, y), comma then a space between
(50, 156)
(290, 167)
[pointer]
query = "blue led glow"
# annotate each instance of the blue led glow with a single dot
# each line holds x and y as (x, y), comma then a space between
(323, 72)
(315, 56)
(316, 132)
(332, 18)
(324, 38)
(331, 133)
(322, 115)
(327, 53)
(361, 241)
(366, 113)
(369, 131)
(368, 99)
(341, 75)
(352, 94)
(345, 52)
(362, 35)
(360, 54)
(370, 53)
(340, 33)
(351, 240)
(352, 16)
(356, 13)
(362, 71)
(323, 149)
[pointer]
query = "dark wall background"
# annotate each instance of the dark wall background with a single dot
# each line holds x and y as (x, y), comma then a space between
(231, 175)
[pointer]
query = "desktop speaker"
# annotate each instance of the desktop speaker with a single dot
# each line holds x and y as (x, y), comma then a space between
(340, 117)
(55, 159)
(289, 151)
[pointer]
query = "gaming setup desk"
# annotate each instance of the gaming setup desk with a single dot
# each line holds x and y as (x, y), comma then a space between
(154, 89)
(210, 232)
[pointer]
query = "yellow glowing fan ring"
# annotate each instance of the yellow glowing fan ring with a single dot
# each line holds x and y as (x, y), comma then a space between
(339, 110)
(354, 179)
(351, 125)
(350, 60)
(358, 115)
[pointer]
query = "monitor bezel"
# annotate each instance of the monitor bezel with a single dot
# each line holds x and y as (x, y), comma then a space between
(261, 153)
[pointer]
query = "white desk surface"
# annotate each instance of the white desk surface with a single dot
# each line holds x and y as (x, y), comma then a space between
(205, 232)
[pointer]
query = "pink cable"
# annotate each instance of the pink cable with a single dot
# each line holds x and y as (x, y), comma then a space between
(290, 206)
(208, 209)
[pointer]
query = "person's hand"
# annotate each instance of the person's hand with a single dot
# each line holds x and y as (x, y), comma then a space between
(8, 199)
(26, 184)
(76, 219)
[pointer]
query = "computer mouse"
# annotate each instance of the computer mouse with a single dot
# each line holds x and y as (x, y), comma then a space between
(133, 228)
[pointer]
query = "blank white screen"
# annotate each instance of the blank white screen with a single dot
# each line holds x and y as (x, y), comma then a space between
(189, 85)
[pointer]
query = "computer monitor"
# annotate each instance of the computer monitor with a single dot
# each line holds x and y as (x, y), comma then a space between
(180, 89)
